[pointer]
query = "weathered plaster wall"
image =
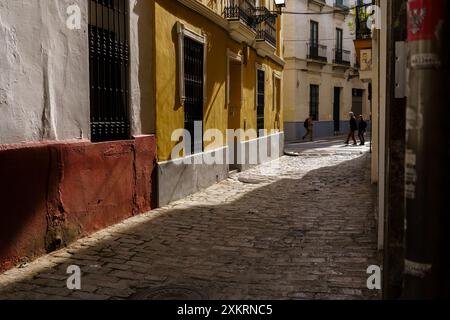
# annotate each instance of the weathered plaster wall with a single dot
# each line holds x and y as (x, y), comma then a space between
(44, 78)
(55, 193)
(300, 77)
(58, 186)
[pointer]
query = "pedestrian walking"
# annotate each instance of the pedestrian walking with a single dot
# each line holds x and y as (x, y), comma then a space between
(309, 129)
(353, 128)
(362, 126)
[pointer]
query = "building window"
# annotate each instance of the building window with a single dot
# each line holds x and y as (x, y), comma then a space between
(314, 32)
(193, 82)
(341, 4)
(314, 102)
(314, 39)
(260, 101)
(192, 76)
(109, 71)
(339, 40)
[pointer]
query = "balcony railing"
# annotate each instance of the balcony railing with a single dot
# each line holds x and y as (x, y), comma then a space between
(318, 2)
(363, 13)
(341, 4)
(341, 56)
(243, 10)
(267, 30)
(317, 52)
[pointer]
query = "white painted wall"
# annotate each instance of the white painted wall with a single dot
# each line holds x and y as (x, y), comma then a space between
(142, 76)
(44, 81)
(44, 71)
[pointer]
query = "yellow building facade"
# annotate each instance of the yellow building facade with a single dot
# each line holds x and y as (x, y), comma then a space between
(216, 68)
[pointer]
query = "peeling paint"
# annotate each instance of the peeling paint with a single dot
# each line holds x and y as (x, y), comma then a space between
(8, 49)
(71, 190)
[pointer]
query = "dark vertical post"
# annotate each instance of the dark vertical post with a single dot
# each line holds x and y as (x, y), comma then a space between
(426, 154)
(395, 159)
(444, 274)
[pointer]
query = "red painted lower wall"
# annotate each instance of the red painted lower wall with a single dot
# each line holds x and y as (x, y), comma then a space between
(54, 193)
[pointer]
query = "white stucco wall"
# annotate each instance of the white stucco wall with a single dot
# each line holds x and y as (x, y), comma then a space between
(44, 78)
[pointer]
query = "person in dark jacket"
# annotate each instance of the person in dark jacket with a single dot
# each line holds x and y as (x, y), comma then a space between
(309, 129)
(362, 127)
(353, 128)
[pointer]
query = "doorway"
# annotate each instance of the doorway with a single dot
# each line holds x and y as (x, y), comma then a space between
(277, 103)
(357, 103)
(234, 105)
(337, 110)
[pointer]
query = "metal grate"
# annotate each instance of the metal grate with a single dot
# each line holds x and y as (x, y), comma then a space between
(260, 101)
(342, 57)
(108, 56)
(194, 81)
(317, 52)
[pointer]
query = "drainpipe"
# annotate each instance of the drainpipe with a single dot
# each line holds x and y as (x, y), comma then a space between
(426, 154)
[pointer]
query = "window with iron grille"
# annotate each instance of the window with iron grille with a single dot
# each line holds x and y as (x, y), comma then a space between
(314, 102)
(260, 101)
(108, 66)
(193, 83)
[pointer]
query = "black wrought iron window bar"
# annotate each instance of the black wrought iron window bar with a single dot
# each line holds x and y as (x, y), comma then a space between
(243, 10)
(342, 56)
(194, 81)
(317, 52)
(362, 14)
(109, 71)
(260, 101)
(267, 30)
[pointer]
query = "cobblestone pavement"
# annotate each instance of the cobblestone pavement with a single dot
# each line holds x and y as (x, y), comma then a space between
(298, 228)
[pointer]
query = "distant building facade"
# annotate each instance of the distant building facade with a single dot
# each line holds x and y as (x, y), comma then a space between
(321, 72)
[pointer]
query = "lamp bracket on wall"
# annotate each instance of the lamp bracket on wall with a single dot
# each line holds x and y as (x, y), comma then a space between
(264, 15)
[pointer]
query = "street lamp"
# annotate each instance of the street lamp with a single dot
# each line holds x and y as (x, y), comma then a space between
(280, 3)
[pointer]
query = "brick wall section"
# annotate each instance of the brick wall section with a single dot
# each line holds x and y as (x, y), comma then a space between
(54, 193)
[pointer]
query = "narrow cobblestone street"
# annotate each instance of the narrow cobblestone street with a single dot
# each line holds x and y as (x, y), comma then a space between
(302, 227)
